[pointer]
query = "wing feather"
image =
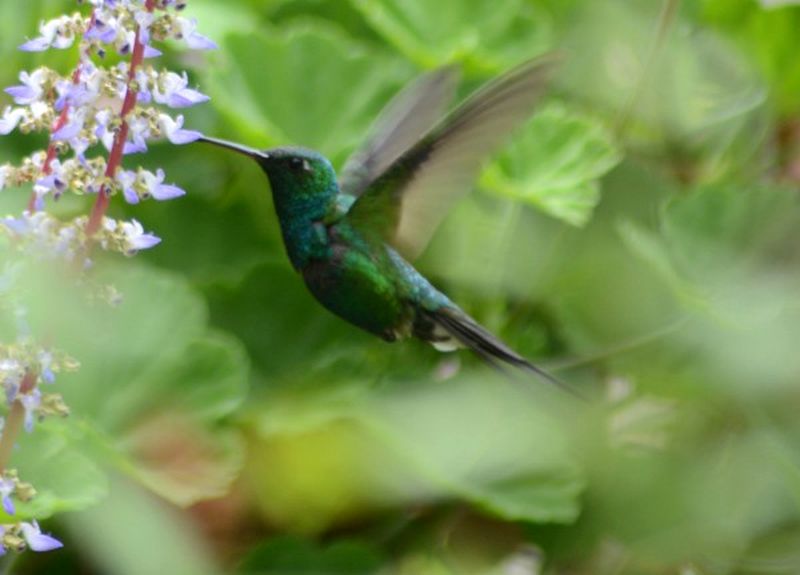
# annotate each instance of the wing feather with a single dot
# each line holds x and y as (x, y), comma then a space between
(402, 123)
(406, 203)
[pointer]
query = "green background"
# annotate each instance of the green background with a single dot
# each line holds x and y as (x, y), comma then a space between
(638, 237)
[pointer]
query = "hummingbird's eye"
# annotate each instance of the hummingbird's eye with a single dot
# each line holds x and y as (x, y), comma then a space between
(300, 165)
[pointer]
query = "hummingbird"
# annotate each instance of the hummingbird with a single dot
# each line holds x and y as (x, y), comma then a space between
(353, 237)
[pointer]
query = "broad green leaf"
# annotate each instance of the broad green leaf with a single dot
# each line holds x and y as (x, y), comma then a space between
(154, 382)
(310, 86)
(210, 380)
(340, 14)
(64, 478)
(555, 164)
(432, 34)
(520, 470)
(477, 441)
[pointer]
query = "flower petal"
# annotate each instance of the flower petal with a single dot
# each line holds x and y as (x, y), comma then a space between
(8, 505)
(10, 120)
(23, 95)
(39, 44)
(36, 540)
(167, 192)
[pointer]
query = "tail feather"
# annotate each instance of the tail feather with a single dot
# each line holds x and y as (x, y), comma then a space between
(493, 351)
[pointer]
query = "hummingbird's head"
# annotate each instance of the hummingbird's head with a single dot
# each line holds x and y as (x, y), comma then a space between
(297, 171)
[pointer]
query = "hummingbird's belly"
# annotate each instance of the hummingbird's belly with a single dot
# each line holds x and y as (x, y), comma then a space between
(353, 286)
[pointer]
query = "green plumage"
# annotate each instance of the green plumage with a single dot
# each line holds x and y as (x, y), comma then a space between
(351, 237)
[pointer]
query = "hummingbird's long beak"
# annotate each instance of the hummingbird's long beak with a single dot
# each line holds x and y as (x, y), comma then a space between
(247, 151)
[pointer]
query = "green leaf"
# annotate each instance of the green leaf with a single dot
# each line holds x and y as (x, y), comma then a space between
(125, 349)
(555, 164)
(720, 250)
(476, 441)
(64, 478)
(210, 380)
(294, 556)
(716, 230)
(131, 533)
(766, 36)
(310, 86)
(490, 447)
(217, 19)
(154, 382)
(432, 34)
(694, 95)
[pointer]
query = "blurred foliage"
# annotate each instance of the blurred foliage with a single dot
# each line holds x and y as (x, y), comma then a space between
(639, 235)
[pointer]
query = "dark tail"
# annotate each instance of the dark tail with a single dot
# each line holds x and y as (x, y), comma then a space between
(493, 351)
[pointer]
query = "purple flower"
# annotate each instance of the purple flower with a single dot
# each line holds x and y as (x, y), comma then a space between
(138, 132)
(7, 487)
(4, 172)
(159, 190)
(174, 132)
(31, 89)
(144, 19)
(172, 90)
(55, 33)
(150, 52)
(53, 182)
(73, 132)
(11, 374)
(136, 238)
(45, 363)
(19, 226)
(193, 39)
(101, 131)
(127, 179)
(39, 44)
(11, 118)
(72, 128)
(103, 30)
(36, 540)
(82, 93)
(31, 402)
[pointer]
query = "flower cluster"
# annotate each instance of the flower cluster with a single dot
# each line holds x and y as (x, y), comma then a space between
(120, 107)
(98, 117)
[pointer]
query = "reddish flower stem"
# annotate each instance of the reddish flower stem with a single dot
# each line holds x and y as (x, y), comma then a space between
(115, 158)
(15, 421)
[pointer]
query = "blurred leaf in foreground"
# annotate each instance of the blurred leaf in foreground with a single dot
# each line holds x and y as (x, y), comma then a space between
(481, 441)
(155, 384)
(723, 249)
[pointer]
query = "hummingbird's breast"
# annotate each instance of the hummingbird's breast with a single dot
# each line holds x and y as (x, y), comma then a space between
(357, 282)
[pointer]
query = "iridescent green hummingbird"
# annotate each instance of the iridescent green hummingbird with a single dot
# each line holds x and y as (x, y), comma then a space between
(352, 237)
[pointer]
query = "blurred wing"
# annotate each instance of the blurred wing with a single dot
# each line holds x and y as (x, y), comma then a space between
(401, 124)
(405, 204)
